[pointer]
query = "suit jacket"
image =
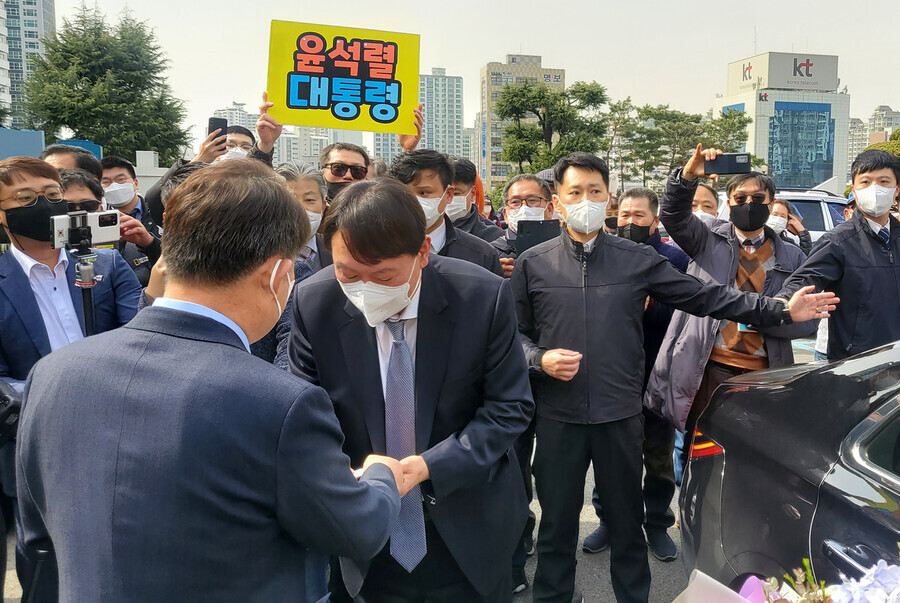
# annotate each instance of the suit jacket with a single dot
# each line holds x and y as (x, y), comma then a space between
(324, 258)
(186, 469)
(472, 399)
(23, 337)
(463, 246)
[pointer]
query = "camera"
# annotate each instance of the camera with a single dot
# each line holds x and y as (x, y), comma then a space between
(97, 228)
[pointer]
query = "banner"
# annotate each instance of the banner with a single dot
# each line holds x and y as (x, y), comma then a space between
(341, 77)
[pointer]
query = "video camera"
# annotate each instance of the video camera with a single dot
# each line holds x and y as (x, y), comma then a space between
(83, 229)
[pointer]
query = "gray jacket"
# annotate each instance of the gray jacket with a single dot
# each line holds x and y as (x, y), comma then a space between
(714, 251)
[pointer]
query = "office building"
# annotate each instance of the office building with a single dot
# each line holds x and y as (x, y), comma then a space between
(5, 97)
(801, 123)
(518, 69)
(28, 22)
(857, 140)
(442, 98)
(884, 119)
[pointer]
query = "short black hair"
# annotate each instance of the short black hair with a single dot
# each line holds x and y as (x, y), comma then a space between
(84, 159)
(111, 161)
(641, 192)
(241, 130)
(79, 177)
(585, 161)
(378, 219)
(227, 220)
(342, 146)
(406, 167)
(710, 188)
(874, 159)
(463, 171)
(180, 174)
(545, 186)
(763, 180)
(379, 168)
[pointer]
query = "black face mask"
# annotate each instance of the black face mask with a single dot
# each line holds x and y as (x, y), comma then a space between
(335, 187)
(633, 232)
(749, 216)
(34, 221)
(611, 223)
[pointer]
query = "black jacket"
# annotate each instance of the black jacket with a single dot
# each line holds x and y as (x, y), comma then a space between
(137, 260)
(154, 249)
(463, 246)
(475, 225)
(853, 262)
(594, 304)
(804, 237)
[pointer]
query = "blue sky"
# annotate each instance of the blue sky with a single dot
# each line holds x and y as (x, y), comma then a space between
(655, 51)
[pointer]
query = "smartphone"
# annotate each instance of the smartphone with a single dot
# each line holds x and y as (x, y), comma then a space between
(728, 163)
(534, 232)
(217, 123)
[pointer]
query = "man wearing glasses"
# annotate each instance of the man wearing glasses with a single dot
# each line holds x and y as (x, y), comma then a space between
(343, 163)
(743, 252)
(120, 191)
(40, 308)
(525, 197)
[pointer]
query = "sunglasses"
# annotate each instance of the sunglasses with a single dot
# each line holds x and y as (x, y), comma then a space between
(86, 205)
(357, 172)
(756, 198)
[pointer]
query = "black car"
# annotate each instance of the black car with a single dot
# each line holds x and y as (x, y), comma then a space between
(794, 463)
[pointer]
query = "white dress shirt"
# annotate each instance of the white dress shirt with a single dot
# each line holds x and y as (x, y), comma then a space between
(51, 291)
(875, 226)
(439, 236)
(383, 336)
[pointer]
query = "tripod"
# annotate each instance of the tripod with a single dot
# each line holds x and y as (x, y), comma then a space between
(85, 278)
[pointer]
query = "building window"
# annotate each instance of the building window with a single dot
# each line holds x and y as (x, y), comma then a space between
(31, 23)
(30, 12)
(32, 35)
(33, 45)
(12, 22)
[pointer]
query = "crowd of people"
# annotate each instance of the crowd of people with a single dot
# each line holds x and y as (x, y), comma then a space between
(377, 432)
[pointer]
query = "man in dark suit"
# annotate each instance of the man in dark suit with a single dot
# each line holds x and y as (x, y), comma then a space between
(185, 468)
(420, 357)
(428, 175)
(120, 187)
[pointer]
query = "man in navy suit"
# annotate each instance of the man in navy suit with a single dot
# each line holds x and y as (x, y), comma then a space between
(41, 310)
(178, 466)
(420, 356)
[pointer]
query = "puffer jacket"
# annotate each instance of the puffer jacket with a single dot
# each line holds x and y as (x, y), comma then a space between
(715, 251)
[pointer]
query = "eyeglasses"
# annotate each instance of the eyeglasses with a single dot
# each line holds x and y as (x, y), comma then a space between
(245, 146)
(120, 179)
(84, 204)
(357, 172)
(516, 202)
(28, 197)
(756, 198)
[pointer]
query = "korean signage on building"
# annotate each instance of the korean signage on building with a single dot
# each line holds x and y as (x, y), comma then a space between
(341, 77)
(785, 71)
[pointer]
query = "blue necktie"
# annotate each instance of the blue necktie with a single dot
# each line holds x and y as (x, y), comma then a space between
(408, 537)
(885, 235)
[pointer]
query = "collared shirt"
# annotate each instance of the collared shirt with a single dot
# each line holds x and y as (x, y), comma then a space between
(439, 236)
(589, 246)
(385, 341)
(310, 254)
(54, 299)
(875, 226)
(200, 310)
(138, 211)
(752, 244)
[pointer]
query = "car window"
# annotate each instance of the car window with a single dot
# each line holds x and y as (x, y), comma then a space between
(810, 213)
(837, 212)
(883, 449)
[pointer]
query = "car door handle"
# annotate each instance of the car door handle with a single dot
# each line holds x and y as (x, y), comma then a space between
(852, 561)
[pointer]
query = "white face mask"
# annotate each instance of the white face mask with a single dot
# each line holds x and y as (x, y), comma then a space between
(118, 195)
(291, 283)
(235, 153)
(458, 208)
(585, 216)
(523, 214)
(875, 200)
(430, 207)
(705, 217)
(314, 221)
(777, 223)
(379, 302)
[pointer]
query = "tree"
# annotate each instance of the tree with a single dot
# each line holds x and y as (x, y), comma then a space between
(891, 146)
(106, 84)
(728, 131)
(895, 135)
(675, 132)
(546, 124)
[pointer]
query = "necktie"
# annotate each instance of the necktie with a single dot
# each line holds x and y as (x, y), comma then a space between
(408, 537)
(885, 235)
(309, 256)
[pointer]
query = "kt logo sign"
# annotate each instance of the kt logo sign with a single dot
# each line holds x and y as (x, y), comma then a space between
(746, 75)
(803, 69)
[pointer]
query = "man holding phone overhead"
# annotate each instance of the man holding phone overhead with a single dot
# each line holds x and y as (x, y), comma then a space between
(744, 253)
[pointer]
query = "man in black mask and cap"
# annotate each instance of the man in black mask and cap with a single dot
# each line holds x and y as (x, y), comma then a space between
(743, 252)
(342, 163)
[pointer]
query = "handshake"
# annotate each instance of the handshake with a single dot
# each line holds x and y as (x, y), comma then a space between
(408, 472)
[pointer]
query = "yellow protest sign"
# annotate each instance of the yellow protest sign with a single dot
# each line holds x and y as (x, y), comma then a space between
(342, 77)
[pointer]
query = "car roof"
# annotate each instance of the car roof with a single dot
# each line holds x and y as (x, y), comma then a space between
(809, 195)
